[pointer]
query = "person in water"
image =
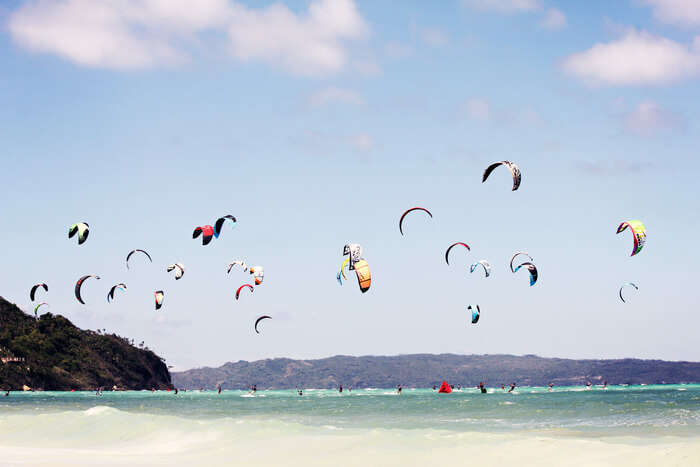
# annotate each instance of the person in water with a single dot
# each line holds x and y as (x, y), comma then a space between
(551, 385)
(399, 388)
(255, 388)
(482, 388)
(175, 390)
(434, 387)
(301, 393)
(7, 393)
(512, 386)
(340, 388)
(503, 387)
(605, 384)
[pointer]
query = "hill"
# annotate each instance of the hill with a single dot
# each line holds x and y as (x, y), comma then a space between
(425, 370)
(53, 354)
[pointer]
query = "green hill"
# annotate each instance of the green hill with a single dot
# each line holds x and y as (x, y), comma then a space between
(425, 370)
(53, 354)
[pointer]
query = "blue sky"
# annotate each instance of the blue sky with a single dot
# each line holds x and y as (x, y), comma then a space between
(318, 123)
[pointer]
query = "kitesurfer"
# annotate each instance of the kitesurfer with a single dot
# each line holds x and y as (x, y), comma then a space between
(605, 384)
(175, 390)
(434, 387)
(503, 387)
(7, 393)
(398, 389)
(512, 386)
(301, 393)
(551, 385)
(588, 385)
(482, 388)
(340, 388)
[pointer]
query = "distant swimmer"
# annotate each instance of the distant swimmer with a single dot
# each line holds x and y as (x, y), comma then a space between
(512, 386)
(482, 387)
(340, 388)
(550, 386)
(399, 389)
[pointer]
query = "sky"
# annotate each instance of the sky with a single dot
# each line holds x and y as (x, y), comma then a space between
(318, 123)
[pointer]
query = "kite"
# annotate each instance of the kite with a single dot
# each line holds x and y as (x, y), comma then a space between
(179, 270)
(355, 252)
(33, 291)
(159, 298)
(258, 273)
(110, 294)
(220, 223)
(134, 251)
(364, 277)
(516, 254)
(476, 312)
(239, 263)
(514, 171)
(207, 232)
(533, 272)
(485, 264)
(79, 284)
(36, 310)
(411, 210)
(260, 319)
(447, 253)
(82, 229)
(238, 292)
(638, 231)
(625, 285)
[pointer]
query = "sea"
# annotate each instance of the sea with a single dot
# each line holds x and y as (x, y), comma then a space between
(654, 425)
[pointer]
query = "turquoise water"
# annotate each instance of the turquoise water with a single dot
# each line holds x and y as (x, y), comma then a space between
(638, 410)
(619, 426)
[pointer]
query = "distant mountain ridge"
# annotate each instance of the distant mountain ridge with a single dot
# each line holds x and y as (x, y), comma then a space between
(53, 354)
(426, 370)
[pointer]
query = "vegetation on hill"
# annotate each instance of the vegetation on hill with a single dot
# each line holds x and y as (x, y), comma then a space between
(53, 354)
(425, 370)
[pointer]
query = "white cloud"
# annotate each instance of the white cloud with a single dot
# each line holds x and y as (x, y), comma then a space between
(682, 12)
(504, 6)
(129, 34)
(307, 45)
(332, 94)
(554, 19)
(648, 118)
(638, 58)
(362, 142)
(434, 37)
(481, 109)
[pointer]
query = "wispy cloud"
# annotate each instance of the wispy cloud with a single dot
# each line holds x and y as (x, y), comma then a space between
(362, 142)
(681, 12)
(637, 58)
(483, 110)
(134, 34)
(332, 94)
(504, 6)
(554, 19)
(648, 118)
